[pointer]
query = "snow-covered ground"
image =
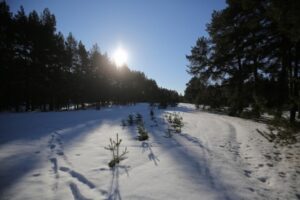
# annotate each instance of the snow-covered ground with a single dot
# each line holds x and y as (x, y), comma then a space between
(61, 155)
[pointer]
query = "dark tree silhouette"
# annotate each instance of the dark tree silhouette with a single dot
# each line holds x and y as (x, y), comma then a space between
(40, 69)
(253, 46)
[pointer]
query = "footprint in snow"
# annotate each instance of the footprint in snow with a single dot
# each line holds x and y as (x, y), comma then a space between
(247, 173)
(278, 159)
(263, 179)
(60, 153)
(81, 178)
(267, 156)
(101, 169)
(64, 169)
(270, 165)
(37, 174)
(281, 174)
(54, 164)
(260, 165)
(76, 192)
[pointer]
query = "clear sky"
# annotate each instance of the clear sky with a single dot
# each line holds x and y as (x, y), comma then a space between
(157, 34)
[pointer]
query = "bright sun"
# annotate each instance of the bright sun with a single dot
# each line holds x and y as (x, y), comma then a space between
(120, 57)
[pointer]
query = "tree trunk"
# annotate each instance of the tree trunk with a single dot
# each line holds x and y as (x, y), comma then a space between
(240, 87)
(293, 87)
(283, 82)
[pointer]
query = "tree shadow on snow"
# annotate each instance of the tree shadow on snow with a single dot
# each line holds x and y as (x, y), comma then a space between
(68, 125)
(148, 147)
(195, 166)
(36, 125)
(13, 168)
(115, 193)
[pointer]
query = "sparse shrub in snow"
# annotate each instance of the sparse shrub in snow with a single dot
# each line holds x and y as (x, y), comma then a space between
(114, 147)
(175, 120)
(98, 106)
(130, 120)
(139, 118)
(173, 104)
(281, 132)
(123, 123)
(162, 105)
(152, 114)
(151, 104)
(143, 134)
(168, 117)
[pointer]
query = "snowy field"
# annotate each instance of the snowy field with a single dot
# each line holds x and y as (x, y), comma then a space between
(61, 155)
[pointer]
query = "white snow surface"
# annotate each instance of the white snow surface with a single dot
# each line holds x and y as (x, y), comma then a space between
(61, 155)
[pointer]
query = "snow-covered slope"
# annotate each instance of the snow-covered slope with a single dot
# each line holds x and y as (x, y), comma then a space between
(61, 155)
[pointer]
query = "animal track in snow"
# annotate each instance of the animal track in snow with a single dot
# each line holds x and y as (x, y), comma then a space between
(81, 178)
(55, 144)
(55, 150)
(247, 173)
(263, 179)
(76, 192)
(54, 164)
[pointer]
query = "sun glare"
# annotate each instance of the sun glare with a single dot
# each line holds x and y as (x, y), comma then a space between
(120, 57)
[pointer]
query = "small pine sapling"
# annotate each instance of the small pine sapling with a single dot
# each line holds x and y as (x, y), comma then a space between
(130, 120)
(151, 104)
(123, 123)
(163, 105)
(168, 117)
(143, 135)
(152, 114)
(139, 118)
(177, 122)
(114, 147)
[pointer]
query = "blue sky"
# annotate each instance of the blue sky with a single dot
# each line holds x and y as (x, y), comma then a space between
(157, 34)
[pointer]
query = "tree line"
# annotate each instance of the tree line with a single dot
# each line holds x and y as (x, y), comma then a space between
(249, 62)
(41, 69)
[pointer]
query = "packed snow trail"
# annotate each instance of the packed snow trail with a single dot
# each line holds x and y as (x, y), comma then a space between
(61, 155)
